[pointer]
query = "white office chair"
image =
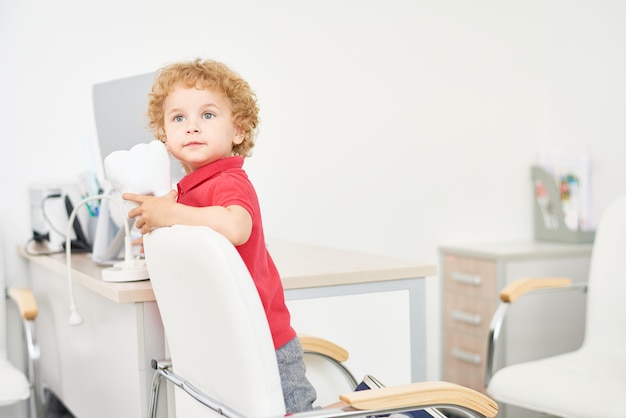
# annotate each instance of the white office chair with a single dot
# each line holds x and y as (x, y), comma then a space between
(591, 381)
(220, 344)
(14, 385)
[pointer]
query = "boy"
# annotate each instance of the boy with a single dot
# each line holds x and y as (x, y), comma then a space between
(206, 115)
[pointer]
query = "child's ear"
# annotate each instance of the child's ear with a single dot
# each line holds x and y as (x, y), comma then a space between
(239, 137)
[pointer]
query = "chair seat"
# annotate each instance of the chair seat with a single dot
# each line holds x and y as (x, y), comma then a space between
(581, 384)
(14, 386)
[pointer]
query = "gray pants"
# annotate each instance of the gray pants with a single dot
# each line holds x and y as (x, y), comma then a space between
(298, 392)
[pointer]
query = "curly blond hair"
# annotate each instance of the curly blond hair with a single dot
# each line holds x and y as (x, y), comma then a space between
(207, 75)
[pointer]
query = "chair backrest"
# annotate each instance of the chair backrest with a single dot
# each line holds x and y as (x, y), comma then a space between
(215, 325)
(606, 309)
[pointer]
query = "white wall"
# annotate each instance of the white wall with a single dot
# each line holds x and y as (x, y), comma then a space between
(387, 127)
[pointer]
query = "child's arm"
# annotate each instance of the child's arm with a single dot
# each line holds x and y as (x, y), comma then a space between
(234, 222)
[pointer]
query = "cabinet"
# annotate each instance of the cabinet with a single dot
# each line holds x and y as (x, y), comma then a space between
(536, 326)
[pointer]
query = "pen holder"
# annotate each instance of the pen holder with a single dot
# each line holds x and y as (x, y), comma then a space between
(549, 216)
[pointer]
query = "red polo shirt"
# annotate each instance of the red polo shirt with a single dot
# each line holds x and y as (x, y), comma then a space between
(225, 183)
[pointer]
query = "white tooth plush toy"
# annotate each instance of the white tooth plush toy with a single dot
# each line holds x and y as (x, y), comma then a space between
(144, 169)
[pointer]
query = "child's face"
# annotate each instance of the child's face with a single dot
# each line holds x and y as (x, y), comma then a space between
(198, 127)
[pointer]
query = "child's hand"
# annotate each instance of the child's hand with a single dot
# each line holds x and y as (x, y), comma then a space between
(139, 241)
(151, 211)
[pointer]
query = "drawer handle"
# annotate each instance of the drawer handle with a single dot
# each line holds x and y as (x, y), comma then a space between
(466, 317)
(471, 279)
(466, 356)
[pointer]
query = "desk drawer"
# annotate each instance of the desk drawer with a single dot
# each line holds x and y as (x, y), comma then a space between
(471, 276)
(468, 314)
(464, 360)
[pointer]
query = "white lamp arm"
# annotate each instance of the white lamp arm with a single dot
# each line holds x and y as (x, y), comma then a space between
(75, 317)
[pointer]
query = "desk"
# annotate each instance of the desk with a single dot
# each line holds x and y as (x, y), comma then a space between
(102, 368)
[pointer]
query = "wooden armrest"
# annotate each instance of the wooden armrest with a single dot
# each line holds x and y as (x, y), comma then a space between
(422, 394)
(25, 301)
(519, 287)
(322, 346)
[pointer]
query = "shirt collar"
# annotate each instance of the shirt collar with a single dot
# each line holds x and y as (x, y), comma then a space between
(209, 171)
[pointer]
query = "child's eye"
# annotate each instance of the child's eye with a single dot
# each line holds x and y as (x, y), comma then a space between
(178, 118)
(208, 115)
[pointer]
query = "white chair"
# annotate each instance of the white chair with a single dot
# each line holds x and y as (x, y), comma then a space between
(15, 387)
(221, 348)
(591, 381)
